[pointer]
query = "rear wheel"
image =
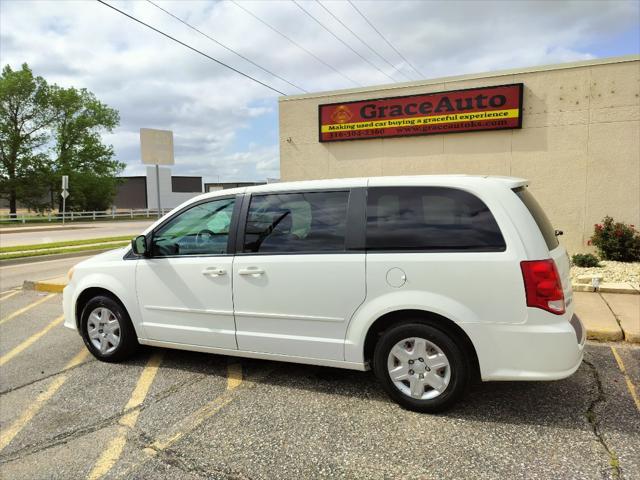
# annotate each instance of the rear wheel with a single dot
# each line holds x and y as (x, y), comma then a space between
(107, 330)
(421, 367)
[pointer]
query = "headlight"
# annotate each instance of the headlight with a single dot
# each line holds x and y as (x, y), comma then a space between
(70, 273)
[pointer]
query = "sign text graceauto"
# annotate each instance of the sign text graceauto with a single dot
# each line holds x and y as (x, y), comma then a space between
(488, 108)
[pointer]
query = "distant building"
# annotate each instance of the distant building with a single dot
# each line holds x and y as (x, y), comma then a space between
(140, 191)
(132, 193)
(213, 187)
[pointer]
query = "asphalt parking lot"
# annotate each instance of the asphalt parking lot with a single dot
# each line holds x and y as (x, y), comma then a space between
(186, 415)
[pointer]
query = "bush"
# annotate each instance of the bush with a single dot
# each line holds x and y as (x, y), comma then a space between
(584, 260)
(616, 241)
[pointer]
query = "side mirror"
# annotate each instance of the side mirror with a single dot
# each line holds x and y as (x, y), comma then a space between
(139, 245)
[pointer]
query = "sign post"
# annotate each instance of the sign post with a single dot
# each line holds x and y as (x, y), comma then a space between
(156, 148)
(64, 193)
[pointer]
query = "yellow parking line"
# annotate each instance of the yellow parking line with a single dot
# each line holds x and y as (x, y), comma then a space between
(195, 419)
(9, 294)
(15, 428)
(190, 423)
(113, 451)
(30, 341)
(234, 375)
(630, 386)
(26, 309)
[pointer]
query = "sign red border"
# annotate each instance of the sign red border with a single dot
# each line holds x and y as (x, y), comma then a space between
(472, 109)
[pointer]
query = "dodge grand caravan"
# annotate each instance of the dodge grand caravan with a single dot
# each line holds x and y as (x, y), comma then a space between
(430, 281)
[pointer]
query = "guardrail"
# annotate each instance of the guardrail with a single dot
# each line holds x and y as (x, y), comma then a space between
(132, 213)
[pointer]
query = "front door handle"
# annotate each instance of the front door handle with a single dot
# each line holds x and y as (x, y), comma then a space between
(214, 271)
(251, 271)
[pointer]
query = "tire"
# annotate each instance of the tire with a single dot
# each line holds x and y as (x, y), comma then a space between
(100, 338)
(451, 379)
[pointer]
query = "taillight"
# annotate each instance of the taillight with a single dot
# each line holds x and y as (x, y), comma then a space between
(542, 285)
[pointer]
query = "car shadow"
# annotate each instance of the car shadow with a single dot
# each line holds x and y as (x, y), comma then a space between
(561, 403)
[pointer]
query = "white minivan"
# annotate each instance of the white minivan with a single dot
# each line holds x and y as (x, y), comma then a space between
(431, 281)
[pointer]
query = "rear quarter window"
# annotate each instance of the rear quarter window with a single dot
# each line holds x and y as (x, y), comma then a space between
(541, 219)
(434, 219)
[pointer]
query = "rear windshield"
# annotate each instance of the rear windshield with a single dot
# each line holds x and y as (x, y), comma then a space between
(547, 230)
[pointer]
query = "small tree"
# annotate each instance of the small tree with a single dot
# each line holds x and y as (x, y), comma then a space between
(616, 241)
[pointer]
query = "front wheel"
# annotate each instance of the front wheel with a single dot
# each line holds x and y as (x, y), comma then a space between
(107, 330)
(421, 367)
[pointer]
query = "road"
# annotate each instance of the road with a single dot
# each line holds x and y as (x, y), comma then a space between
(34, 235)
(12, 276)
(184, 415)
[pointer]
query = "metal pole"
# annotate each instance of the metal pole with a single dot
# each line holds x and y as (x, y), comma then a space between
(158, 188)
(64, 205)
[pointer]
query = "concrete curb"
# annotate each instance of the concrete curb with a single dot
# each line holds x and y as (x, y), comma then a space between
(606, 288)
(43, 286)
(606, 335)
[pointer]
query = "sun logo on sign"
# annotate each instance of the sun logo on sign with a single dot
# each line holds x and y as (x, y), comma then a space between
(341, 114)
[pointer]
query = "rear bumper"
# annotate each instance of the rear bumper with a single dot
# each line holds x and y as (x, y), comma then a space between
(549, 351)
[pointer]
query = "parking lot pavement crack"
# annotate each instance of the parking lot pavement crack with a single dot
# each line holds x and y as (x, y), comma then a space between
(594, 422)
(46, 377)
(113, 420)
(175, 433)
(172, 458)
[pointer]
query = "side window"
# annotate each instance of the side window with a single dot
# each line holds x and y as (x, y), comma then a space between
(201, 230)
(296, 222)
(430, 218)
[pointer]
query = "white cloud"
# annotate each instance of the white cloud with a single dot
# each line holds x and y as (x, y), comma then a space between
(218, 117)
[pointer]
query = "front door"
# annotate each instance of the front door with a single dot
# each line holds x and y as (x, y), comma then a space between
(295, 284)
(184, 289)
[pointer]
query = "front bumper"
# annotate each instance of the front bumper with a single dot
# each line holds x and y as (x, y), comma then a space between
(68, 307)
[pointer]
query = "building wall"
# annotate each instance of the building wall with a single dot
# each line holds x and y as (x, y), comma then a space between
(579, 144)
(186, 184)
(132, 193)
(168, 198)
(214, 187)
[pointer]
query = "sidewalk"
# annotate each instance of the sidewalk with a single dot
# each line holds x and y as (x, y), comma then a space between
(607, 317)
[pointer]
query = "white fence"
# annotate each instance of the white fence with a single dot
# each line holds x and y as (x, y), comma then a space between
(84, 216)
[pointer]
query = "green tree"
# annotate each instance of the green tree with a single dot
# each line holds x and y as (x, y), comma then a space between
(47, 131)
(78, 150)
(26, 116)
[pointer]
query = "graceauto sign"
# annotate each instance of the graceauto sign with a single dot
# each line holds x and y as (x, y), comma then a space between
(487, 108)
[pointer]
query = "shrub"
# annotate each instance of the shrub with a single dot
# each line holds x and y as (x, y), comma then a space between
(584, 260)
(616, 241)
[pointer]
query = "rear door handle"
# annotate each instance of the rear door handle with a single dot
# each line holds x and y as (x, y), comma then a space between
(251, 271)
(214, 271)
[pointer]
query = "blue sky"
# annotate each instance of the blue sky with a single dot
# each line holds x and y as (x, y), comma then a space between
(225, 126)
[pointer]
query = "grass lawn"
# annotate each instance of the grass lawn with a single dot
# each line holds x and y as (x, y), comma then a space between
(70, 246)
(69, 243)
(38, 253)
